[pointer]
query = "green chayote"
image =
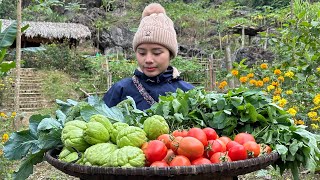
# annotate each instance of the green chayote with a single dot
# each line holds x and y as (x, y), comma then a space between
(131, 136)
(154, 126)
(67, 155)
(72, 135)
(103, 120)
(98, 154)
(96, 133)
(127, 156)
(116, 128)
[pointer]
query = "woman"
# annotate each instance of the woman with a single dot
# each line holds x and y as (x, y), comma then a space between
(155, 44)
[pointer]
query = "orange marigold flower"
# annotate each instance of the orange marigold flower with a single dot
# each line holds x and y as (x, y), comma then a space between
(243, 79)
(266, 79)
(277, 72)
(235, 72)
(275, 83)
(281, 78)
(252, 81)
(299, 122)
(250, 75)
(223, 84)
(264, 66)
(259, 83)
(277, 91)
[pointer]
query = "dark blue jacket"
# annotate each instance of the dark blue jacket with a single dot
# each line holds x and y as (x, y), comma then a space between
(155, 86)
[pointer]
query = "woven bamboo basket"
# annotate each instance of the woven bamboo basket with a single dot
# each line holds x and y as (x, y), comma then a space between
(226, 170)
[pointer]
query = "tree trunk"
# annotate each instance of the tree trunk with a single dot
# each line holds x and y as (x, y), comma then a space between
(18, 66)
(229, 64)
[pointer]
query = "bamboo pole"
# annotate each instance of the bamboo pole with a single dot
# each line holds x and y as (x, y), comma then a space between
(243, 37)
(18, 64)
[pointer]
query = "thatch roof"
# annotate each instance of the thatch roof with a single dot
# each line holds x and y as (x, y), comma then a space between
(52, 30)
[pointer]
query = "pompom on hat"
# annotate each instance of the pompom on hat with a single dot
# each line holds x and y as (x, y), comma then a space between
(156, 27)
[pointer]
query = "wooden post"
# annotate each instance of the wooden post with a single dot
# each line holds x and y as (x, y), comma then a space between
(211, 84)
(266, 42)
(243, 37)
(18, 65)
(229, 64)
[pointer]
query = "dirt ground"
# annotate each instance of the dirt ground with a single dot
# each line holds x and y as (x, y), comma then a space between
(44, 171)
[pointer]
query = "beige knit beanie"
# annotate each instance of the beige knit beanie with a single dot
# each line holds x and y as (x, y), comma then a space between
(156, 27)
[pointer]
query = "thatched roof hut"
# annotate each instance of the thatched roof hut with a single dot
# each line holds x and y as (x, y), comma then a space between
(44, 32)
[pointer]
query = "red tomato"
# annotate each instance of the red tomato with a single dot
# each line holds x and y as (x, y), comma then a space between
(190, 147)
(175, 143)
(225, 139)
(198, 134)
(155, 151)
(241, 138)
(211, 133)
(265, 149)
(238, 152)
(224, 146)
(201, 160)
(180, 161)
(253, 149)
(182, 133)
(166, 139)
(231, 144)
(159, 164)
(219, 157)
(213, 147)
(170, 155)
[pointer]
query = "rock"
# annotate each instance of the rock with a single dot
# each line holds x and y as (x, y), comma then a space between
(253, 54)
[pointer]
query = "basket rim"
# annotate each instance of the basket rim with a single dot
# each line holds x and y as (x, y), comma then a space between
(226, 168)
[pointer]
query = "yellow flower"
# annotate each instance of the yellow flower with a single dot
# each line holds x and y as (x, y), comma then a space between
(276, 98)
(289, 92)
(250, 75)
(264, 66)
(234, 72)
(5, 138)
(270, 87)
(2, 114)
(281, 78)
(13, 114)
(277, 72)
(316, 99)
(312, 114)
(292, 111)
(243, 79)
(275, 83)
(252, 81)
(282, 102)
(278, 91)
(266, 79)
(259, 83)
(289, 74)
(314, 126)
(318, 69)
(299, 122)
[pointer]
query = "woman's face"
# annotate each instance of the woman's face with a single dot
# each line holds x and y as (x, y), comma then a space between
(153, 59)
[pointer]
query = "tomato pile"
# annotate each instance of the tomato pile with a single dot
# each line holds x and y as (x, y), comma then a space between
(200, 146)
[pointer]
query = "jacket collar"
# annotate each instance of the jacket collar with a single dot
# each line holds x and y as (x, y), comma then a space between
(170, 74)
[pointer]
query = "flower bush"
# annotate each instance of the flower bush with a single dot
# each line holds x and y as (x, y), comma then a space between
(285, 86)
(5, 130)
